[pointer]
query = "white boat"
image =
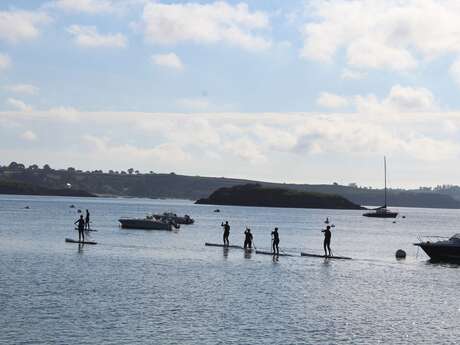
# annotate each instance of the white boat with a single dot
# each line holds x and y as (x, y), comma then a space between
(442, 250)
(382, 211)
(170, 216)
(148, 223)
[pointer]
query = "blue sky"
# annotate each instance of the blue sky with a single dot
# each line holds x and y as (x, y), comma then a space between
(291, 91)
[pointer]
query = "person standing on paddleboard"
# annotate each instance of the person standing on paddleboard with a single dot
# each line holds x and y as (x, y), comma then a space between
(276, 241)
(87, 220)
(327, 241)
(226, 232)
(247, 239)
(81, 228)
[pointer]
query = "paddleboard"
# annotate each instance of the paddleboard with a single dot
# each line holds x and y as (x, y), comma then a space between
(222, 245)
(76, 229)
(271, 253)
(325, 257)
(69, 240)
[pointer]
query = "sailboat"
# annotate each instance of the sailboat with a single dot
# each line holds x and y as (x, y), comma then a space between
(382, 211)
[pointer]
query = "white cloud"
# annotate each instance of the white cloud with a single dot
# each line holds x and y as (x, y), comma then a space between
(29, 136)
(18, 105)
(18, 26)
(455, 71)
(85, 6)
(166, 152)
(88, 36)
(332, 101)
(170, 60)
(352, 74)
(245, 149)
(63, 113)
(5, 61)
(410, 98)
(27, 89)
(389, 34)
(205, 24)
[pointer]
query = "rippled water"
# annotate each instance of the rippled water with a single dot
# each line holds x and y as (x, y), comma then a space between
(159, 287)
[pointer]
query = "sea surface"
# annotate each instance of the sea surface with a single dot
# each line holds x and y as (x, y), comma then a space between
(166, 287)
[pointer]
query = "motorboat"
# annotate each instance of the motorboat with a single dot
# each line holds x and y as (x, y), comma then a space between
(170, 216)
(147, 223)
(382, 211)
(442, 250)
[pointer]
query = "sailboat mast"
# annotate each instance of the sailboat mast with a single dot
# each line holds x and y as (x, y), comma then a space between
(385, 171)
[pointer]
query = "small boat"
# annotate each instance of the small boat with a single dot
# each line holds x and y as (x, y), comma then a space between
(382, 211)
(271, 253)
(442, 250)
(147, 223)
(324, 256)
(69, 240)
(217, 210)
(169, 216)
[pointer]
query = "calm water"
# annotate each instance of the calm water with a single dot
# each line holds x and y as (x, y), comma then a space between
(159, 287)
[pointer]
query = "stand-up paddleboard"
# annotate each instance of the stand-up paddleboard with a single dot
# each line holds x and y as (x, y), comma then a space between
(325, 257)
(229, 246)
(76, 229)
(271, 253)
(69, 240)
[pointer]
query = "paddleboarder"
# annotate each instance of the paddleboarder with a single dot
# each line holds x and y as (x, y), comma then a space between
(81, 228)
(327, 241)
(87, 220)
(247, 238)
(276, 241)
(226, 227)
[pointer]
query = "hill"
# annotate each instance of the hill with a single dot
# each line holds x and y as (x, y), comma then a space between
(158, 185)
(256, 195)
(14, 187)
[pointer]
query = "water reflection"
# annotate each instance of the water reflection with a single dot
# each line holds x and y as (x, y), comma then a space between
(247, 253)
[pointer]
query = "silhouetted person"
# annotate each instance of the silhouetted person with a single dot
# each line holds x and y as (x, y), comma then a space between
(247, 238)
(276, 241)
(81, 228)
(226, 233)
(327, 241)
(87, 220)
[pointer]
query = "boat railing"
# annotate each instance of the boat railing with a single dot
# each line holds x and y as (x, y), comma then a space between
(430, 238)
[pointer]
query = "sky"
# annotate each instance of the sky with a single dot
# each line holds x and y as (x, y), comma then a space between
(285, 91)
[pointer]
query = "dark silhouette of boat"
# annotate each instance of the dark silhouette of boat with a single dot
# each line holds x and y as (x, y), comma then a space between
(147, 223)
(382, 211)
(170, 216)
(442, 250)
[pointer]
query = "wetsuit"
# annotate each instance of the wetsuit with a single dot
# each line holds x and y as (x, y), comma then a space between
(226, 233)
(81, 228)
(327, 242)
(247, 239)
(87, 220)
(276, 242)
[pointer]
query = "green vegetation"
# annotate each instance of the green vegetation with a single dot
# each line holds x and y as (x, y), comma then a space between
(256, 195)
(132, 183)
(15, 187)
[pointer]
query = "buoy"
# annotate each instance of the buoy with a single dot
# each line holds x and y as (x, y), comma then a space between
(400, 254)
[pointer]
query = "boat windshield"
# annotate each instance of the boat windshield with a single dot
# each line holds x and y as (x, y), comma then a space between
(456, 237)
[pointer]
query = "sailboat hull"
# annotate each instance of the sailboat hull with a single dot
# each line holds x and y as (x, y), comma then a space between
(381, 215)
